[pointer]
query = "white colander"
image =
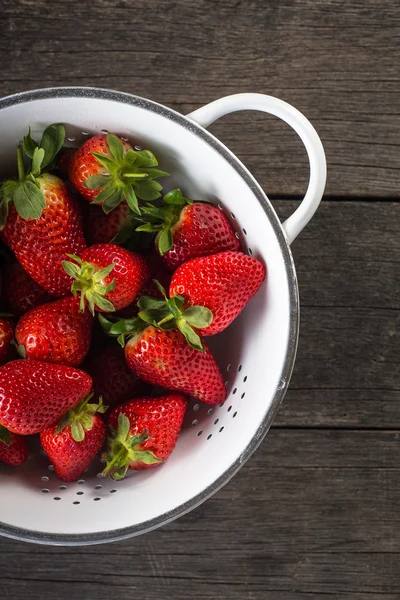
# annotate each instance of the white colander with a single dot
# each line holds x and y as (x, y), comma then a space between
(256, 353)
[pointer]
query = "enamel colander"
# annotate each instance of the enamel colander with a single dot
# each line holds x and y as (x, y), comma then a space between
(256, 353)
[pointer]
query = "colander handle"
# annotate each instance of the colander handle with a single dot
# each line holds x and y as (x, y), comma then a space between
(211, 112)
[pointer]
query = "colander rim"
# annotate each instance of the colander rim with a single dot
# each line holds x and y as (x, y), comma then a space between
(131, 531)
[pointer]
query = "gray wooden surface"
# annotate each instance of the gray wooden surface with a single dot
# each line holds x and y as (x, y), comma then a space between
(314, 514)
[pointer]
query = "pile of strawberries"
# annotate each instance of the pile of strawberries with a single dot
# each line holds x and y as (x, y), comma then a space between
(101, 272)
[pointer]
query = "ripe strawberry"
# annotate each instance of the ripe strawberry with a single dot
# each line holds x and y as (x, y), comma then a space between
(41, 244)
(187, 229)
(13, 448)
(107, 277)
(63, 162)
(165, 358)
(73, 444)
(158, 272)
(20, 292)
(7, 348)
(144, 433)
(102, 228)
(57, 332)
(35, 394)
(106, 170)
(112, 379)
(39, 220)
(224, 283)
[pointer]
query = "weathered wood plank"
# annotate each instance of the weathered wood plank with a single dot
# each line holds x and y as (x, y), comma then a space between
(348, 255)
(336, 61)
(321, 407)
(347, 371)
(313, 514)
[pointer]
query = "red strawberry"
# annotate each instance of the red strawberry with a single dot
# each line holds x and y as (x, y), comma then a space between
(107, 277)
(7, 348)
(188, 229)
(35, 394)
(73, 444)
(224, 283)
(63, 162)
(57, 332)
(159, 273)
(20, 292)
(41, 244)
(39, 220)
(164, 358)
(112, 379)
(107, 170)
(13, 448)
(102, 228)
(145, 432)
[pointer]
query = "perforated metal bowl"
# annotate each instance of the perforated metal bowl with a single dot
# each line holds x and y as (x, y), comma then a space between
(256, 353)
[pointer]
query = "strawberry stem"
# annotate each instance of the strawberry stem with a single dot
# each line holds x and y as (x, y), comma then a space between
(114, 468)
(20, 162)
(89, 283)
(129, 175)
(135, 175)
(174, 313)
(165, 320)
(80, 418)
(125, 448)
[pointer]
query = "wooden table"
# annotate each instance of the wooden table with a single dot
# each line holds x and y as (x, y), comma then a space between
(315, 513)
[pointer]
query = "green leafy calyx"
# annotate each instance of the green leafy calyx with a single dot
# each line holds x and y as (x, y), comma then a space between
(171, 313)
(166, 314)
(124, 448)
(163, 219)
(129, 175)
(122, 329)
(80, 418)
(89, 284)
(24, 191)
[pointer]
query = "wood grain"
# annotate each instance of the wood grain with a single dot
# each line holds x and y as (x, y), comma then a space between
(336, 61)
(347, 369)
(313, 514)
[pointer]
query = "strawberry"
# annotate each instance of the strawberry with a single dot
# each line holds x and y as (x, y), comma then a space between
(163, 357)
(63, 162)
(57, 332)
(187, 229)
(35, 394)
(102, 228)
(39, 220)
(107, 277)
(112, 379)
(13, 448)
(159, 273)
(7, 348)
(106, 170)
(72, 445)
(20, 292)
(144, 433)
(42, 243)
(224, 283)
